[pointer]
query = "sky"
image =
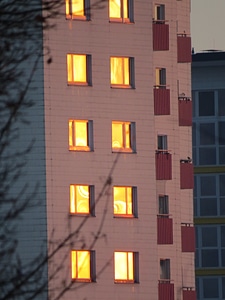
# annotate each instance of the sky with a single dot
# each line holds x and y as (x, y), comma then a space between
(208, 25)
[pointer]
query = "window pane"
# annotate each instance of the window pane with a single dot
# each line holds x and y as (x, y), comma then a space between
(222, 206)
(194, 134)
(127, 135)
(222, 185)
(123, 265)
(115, 9)
(208, 185)
(80, 262)
(222, 228)
(222, 155)
(207, 133)
(125, 9)
(81, 134)
(221, 102)
(117, 135)
(120, 70)
(223, 287)
(221, 133)
(207, 156)
(122, 200)
(208, 207)
(79, 199)
(206, 110)
(210, 258)
(78, 7)
(209, 237)
(79, 68)
(210, 288)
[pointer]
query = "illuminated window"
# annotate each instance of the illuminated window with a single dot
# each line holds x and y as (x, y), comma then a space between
(126, 267)
(80, 135)
(124, 201)
(162, 142)
(160, 77)
(79, 69)
(123, 136)
(122, 72)
(165, 269)
(121, 10)
(159, 13)
(77, 9)
(83, 265)
(81, 199)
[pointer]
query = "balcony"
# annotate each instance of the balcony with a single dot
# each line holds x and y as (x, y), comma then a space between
(164, 230)
(187, 237)
(163, 160)
(189, 294)
(183, 48)
(185, 111)
(166, 290)
(161, 101)
(160, 36)
(186, 174)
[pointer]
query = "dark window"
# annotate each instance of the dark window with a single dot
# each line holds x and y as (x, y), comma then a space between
(222, 133)
(207, 133)
(221, 102)
(207, 156)
(208, 207)
(163, 205)
(162, 142)
(206, 104)
(210, 288)
(208, 185)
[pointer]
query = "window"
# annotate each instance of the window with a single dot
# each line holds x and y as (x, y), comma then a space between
(163, 205)
(164, 269)
(210, 246)
(125, 201)
(122, 72)
(77, 9)
(125, 267)
(80, 135)
(162, 142)
(83, 265)
(121, 10)
(210, 287)
(159, 13)
(81, 199)
(160, 74)
(79, 69)
(123, 136)
(209, 197)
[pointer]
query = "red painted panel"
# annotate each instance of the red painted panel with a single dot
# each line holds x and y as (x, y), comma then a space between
(189, 295)
(162, 101)
(183, 49)
(186, 176)
(185, 112)
(188, 238)
(160, 36)
(163, 166)
(166, 291)
(164, 230)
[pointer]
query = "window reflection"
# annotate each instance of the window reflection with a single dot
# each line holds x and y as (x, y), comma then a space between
(74, 8)
(79, 199)
(122, 200)
(76, 68)
(118, 9)
(78, 135)
(124, 266)
(121, 135)
(119, 71)
(80, 261)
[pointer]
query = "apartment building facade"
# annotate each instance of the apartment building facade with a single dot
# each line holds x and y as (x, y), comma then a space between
(208, 70)
(114, 132)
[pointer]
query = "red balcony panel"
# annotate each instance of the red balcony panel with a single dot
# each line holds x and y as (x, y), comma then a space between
(160, 36)
(166, 291)
(186, 175)
(183, 49)
(164, 230)
(189, 295)
(163, 166)
(185, 112)
(161, 101)
(188, 238)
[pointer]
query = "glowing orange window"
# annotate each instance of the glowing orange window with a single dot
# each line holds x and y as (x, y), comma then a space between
(78, 69)
(81, 263)
(125, 267)
(76, 9)
(123, 136)
(80, 135)
(121, 10)
(122, 72)
(81, 199)
(124, 201)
